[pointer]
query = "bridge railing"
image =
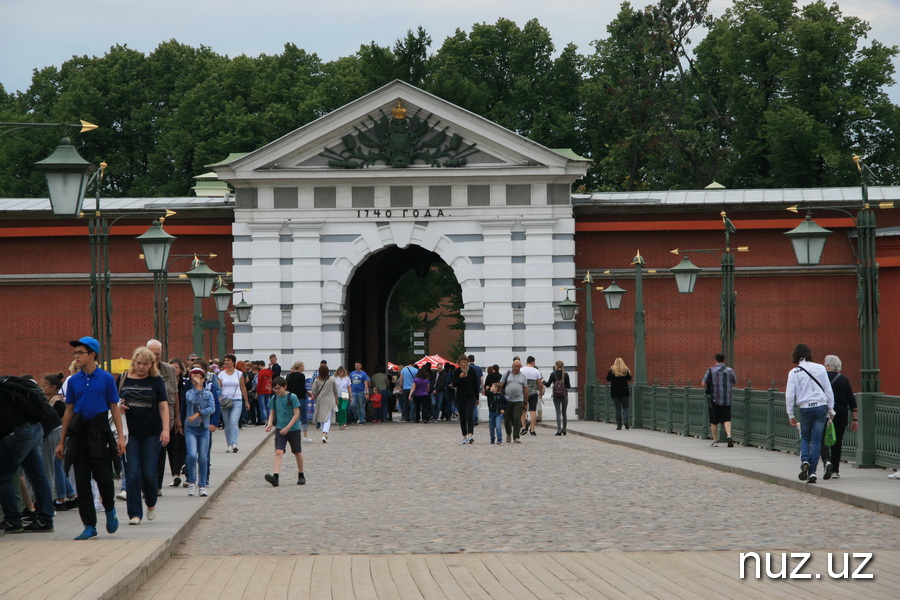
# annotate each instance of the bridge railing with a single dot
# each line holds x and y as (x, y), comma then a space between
(758, 419)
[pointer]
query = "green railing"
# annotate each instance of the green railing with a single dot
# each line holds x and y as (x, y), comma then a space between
(758, 418)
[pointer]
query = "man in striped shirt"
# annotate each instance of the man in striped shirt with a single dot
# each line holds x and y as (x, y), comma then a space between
(723, 380)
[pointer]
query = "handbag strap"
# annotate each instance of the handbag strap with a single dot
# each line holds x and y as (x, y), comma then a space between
(814, 379)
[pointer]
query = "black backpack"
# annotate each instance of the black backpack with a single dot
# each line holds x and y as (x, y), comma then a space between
(26, 396)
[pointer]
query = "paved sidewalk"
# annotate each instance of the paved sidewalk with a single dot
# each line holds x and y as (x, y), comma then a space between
(148, 561)
(52, 565)
(867, 488)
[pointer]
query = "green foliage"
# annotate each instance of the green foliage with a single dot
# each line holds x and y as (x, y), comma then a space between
(438, 295)
(775, 95)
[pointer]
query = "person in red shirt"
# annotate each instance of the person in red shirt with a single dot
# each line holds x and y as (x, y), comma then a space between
(264, 391)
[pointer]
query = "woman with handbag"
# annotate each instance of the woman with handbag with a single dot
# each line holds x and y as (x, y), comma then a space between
(618, 378)
(233, 399)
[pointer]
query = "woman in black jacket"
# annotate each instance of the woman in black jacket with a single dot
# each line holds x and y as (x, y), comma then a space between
(618, 378)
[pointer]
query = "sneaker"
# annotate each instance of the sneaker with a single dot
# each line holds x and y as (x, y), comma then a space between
(134, 521)
(185, 484)
(464, 441)
(151, 513)
(714, 444)
(89, 533)
(72, 503)
(533, 432)
(492, 441)
(228, 448)
(307, 439)
(471, 440)
(192, 489)
(39, 525)
(10, 528)
(812, 478)
(112, 521)
(203, 492)
(730, 442)
(324, 439)
(829, 471)
(122, 495)
(804, 472)
(234, 448)
(176, 482)
(159, 492)
(560, 432)
(836, 476)
(894, 475)
(523, 431)
(618, 428)
(627, 426)
(29, 515)
(301, 479)
(60, 506)
(273, 479)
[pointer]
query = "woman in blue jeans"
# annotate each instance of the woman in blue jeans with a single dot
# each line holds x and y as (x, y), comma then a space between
(234, 394)
(809, 391)
(143, 399)
(199, 405)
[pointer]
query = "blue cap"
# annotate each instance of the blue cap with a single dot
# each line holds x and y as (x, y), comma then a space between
(88, 342)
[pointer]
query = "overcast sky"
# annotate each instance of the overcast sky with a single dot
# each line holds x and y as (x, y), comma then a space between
(39, 33)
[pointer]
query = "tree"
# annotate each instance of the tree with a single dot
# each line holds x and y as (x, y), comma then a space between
(799, 93)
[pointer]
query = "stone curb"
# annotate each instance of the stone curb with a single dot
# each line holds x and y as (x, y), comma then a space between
(131, 583)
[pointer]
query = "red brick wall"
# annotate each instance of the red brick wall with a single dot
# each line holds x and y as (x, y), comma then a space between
(41, 317)
(774, 311)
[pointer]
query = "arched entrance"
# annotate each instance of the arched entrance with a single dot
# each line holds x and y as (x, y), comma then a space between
(379, 298)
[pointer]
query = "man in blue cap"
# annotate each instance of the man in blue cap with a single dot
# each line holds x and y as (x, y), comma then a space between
(91, 395)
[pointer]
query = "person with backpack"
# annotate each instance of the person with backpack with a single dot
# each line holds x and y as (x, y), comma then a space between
(559, 386)
(21, 436)
(284, 414)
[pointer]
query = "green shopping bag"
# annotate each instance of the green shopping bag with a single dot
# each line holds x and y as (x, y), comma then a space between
(830, 434)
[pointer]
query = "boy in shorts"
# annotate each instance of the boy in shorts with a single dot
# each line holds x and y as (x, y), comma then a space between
(284, 412)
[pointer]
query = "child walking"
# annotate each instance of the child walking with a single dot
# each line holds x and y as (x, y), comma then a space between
(284, 412)
(496, 410)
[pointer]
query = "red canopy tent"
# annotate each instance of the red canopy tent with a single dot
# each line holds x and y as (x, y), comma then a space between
(435, 360)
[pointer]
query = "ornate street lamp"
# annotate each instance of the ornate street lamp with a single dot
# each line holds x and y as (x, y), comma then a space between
(567, 308)
(243, 309)
(156, 243)
(67, 174)
(686, 276)
(614, 294)
(202, 278)
(808, 240)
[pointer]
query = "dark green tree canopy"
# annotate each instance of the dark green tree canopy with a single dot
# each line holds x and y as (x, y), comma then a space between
(773, 95)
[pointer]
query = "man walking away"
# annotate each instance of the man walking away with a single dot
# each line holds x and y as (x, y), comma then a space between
(723, 380)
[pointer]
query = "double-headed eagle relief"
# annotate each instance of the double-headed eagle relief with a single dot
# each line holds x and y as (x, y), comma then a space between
(398, 141)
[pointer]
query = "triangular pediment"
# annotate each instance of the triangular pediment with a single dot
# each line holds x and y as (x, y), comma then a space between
(400, 128)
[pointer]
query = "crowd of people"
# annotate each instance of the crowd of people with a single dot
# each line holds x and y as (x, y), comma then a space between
(91, 428)
(86, 430)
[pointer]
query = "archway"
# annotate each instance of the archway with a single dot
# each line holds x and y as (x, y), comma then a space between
(375, 294)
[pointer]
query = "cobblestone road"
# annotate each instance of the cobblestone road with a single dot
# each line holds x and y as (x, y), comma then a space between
(397, 487)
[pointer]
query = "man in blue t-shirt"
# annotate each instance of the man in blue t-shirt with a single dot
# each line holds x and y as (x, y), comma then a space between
(91, 394)
(359, 391)
(406, 378)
